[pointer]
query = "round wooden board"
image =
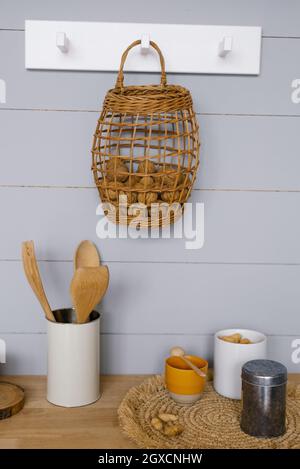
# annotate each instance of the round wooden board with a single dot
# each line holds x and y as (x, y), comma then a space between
(12, 398)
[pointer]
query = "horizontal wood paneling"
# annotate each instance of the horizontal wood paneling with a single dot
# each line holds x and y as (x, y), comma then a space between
(47, 148)
(129, 354)
(269, 93)
(165, 298)
(237, 152)
(161, 294)
(276, 18)
(239, 227)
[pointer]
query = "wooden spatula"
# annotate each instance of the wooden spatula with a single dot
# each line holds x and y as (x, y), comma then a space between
(86, 255)
(88, 286)
(34, 279)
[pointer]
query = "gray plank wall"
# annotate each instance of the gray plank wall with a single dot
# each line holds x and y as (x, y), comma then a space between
(248, 272)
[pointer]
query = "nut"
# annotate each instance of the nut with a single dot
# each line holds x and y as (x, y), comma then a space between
(116, 170)
(235, 339)
(147, 198)
(157, 424)
(168, 417)
(173, 429)
(110, 191)
(159, 208)
(146, 167)
(170, 196)
(131, 196)
(170, 180)
(146, 182)
(182, 194)
(132, 180)
(167, 424)
(245, 341)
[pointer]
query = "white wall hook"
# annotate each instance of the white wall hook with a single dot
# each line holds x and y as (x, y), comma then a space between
(145, 43)
(85, 38)
(62, 41)
(225, 46)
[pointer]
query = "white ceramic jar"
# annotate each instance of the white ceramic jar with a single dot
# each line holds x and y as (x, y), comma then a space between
(229, 359)
(73, 360)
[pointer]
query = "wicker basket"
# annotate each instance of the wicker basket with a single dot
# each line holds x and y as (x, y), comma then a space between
(146, 147)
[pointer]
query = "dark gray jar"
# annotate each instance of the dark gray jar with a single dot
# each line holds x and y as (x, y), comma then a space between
(263, 398)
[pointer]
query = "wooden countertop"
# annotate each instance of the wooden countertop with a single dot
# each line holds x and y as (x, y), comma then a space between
(43, 425)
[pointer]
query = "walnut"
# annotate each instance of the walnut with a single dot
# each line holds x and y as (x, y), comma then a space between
(147, 198)
(116, 170)
(111, 192)
(131, 196)
(146, 182)
(172, 196)
(146, 167)
(169, 180)
(132, 180)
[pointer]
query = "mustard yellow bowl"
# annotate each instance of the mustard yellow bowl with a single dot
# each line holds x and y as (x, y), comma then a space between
(183, 384)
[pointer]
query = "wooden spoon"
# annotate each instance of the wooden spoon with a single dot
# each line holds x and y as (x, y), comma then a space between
(88, 286)
(179, 352)
(33, 276)
(86, 255)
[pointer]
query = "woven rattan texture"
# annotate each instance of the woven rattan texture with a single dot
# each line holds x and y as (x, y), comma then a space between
(146, 147)
(213, 422)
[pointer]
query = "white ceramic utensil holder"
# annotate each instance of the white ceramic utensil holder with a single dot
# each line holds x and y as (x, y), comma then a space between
(229, 359)
(73, 360)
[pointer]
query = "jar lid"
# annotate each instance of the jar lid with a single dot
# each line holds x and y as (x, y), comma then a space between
(264, 372)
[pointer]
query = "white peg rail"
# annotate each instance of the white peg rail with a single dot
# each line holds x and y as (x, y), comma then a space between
(68, 45)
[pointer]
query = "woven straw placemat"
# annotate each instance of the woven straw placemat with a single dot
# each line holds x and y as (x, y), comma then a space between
(213, 422)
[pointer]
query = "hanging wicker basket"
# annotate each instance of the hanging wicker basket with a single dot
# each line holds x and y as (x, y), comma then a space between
(146, 147)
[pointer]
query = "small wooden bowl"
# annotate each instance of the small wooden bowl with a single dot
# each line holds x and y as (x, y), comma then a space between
(12, 398)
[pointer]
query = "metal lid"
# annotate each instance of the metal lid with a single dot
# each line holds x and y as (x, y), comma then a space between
(264, 372)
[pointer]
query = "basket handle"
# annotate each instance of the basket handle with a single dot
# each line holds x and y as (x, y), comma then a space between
(120, 78)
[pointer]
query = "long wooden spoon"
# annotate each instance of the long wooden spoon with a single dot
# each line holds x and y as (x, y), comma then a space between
(33, 276)
(179, 352)
(88, 286)
(86, 255)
